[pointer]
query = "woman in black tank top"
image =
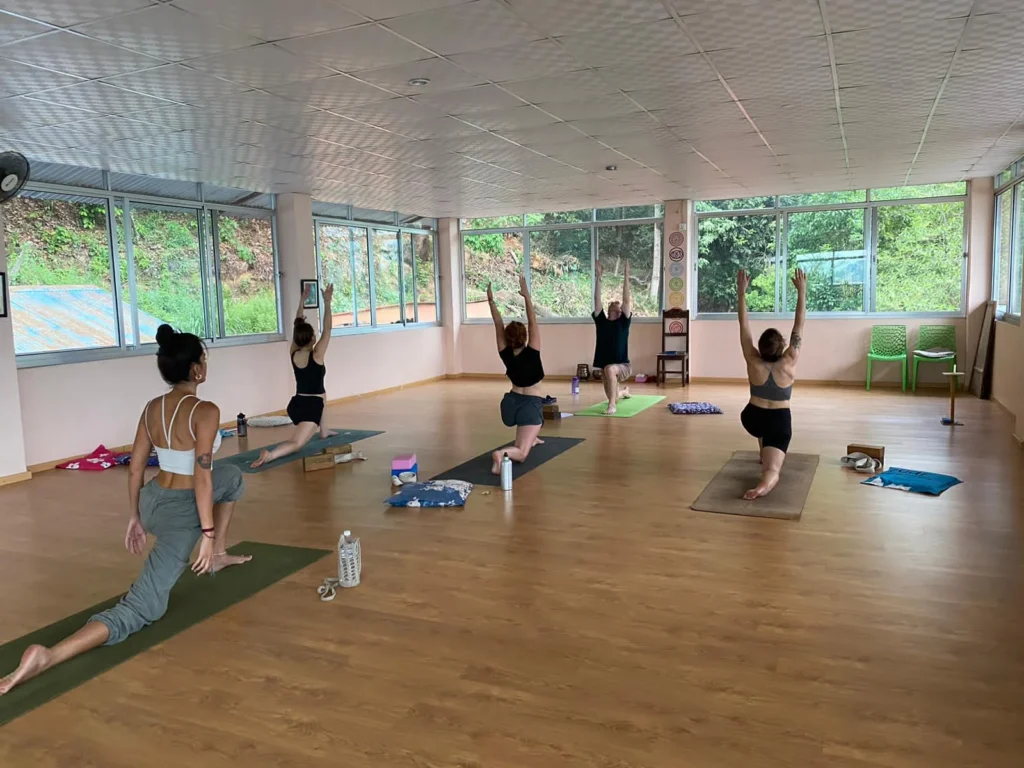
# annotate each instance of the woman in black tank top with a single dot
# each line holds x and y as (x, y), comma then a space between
(306, 408)
(521, 407)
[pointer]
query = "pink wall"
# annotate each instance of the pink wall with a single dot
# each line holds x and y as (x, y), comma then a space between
(107, 396)
(1008, 371)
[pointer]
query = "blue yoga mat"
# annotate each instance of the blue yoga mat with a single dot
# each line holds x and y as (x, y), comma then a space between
(928, 483)
(312, 448)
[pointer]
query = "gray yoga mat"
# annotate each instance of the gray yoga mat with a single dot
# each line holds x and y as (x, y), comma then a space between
(478, 470)
(724, 494)
(312, 448)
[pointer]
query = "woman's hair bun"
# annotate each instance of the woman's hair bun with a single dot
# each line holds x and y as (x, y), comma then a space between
(300, 321)
(165, 335)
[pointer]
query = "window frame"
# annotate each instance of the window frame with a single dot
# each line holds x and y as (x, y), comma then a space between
(524, 231)
(125, 201)
(1015, 185)
(782, 213)
(357, 329)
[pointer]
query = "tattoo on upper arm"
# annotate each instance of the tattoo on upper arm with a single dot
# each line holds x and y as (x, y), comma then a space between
(795, 340)
(205, 460)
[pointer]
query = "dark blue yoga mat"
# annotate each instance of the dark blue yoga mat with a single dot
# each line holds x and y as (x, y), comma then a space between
(478, 470)
(312, 448)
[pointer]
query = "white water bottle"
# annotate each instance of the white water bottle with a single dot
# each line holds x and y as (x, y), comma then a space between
(350, 560)
(506, 473)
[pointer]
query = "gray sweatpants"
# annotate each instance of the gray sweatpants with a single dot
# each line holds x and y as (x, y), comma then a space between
(173, 517)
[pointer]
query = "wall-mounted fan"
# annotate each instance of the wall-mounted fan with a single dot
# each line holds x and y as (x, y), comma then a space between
(14, 170)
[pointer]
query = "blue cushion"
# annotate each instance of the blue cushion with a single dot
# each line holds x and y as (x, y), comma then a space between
(435, 493)
(911, 480)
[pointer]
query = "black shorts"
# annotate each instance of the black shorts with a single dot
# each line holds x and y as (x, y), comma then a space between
(305, 408)
(521, 410)
(772, 426)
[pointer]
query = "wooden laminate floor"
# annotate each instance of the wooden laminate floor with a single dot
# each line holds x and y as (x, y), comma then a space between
(592, 620)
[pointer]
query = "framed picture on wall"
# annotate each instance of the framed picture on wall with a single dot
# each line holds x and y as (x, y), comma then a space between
(313, 300)
(3, 294)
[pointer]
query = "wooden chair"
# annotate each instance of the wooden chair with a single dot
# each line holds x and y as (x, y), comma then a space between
(675, 325)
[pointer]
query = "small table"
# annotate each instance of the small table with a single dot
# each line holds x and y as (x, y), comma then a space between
(954, 376)
(663, 372)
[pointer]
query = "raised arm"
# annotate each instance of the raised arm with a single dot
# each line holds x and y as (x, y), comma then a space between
(746, 340)
(531, 316)
(796, 337)
(206, 422)
(320, 348)
(135, 538)
(499, 324)
(626, 304)
(598, 271)
(300, 314)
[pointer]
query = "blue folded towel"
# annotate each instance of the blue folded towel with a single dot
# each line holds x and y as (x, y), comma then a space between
(911, 480)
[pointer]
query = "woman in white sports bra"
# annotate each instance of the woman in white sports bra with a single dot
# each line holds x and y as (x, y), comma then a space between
(188, 501)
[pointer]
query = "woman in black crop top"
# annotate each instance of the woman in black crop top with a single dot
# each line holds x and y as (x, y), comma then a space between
(306, 409)
(522, 406)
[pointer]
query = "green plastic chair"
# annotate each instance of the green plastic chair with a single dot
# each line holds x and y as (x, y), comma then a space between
(888, 343)
(935, 337)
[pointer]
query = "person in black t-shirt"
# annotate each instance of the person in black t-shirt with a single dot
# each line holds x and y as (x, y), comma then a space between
(611, 351)
(522, 406)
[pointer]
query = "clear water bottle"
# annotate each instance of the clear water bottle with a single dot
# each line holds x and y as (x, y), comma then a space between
(350, 560)
(575, 385)
(506, 473)
(243, 425)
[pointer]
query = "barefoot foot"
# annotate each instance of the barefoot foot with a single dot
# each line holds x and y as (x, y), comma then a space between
(625, 394)
(496, 464)
(768, 482)
(264, 457)
(328, 433)
(609, 411)
(224, 560)
(35, 660)
(538, 441)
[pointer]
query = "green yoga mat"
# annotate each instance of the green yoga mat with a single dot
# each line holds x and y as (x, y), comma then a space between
(626, 408)
(312, 448)
(193, 599)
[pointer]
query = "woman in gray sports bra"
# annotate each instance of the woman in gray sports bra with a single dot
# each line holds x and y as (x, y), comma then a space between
(771, 370)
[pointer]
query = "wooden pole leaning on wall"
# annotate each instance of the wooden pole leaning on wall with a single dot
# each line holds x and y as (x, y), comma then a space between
(954, 377)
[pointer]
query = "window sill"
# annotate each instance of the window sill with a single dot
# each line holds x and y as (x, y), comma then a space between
(362, 330)
(1009, 319)
(731, 316)
(71, 357)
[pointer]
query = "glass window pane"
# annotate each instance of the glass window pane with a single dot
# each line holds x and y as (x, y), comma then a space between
(920, 257)
(736, 204)
(921, 190)
(727, 245)
(824, 198)
(560, 217)
(1004, 176)
(640, 245)
(1018, 252)
(339, 245)
(246, 249)
(829, 247)
(408, 281)
(1004, 220)
(560, 279)
(495, 259)
(627, 212)
(168, 270)
(385, 277)
(60, 275)
(422, 248)
(492, 222)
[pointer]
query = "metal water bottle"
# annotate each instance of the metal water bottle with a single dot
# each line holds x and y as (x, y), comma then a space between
(243, 425)
(506, 473)
(575, 385)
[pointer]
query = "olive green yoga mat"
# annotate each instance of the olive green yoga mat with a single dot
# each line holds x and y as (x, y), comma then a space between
(193, 599)
(626, 407)
(312, 448)
(724, 494)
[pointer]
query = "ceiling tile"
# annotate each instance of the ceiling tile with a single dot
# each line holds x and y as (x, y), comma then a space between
(608, 105)
(912, 40)
(177, 83)
(573, 85)
(671, 73)
(632, 44)
(77, 55)
(334, 92)
(543, 136)
(19, 113)
(17, 78)
(387, 9)
(349, 50)
(617, 126)
(518, 62)
(525, 116)
(166, 32)
(100, 97)
(566, 17)
(806, 53)
(255, 105)
(65, 13)
(273, 19)
(756, 25)
(995, 30)
(262, 66)
(442, 76)
(471, 27)
(894, 70)
(14, 28)
(479, 98)
(847, 15)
